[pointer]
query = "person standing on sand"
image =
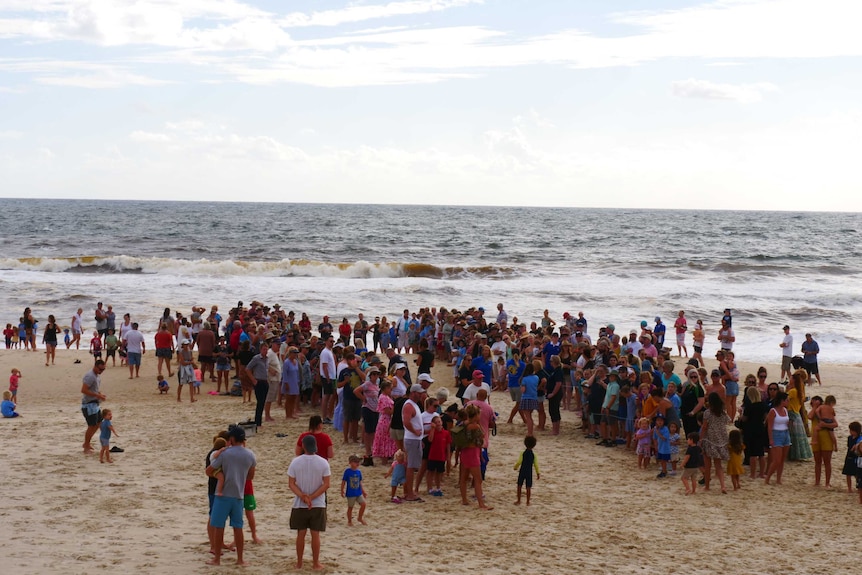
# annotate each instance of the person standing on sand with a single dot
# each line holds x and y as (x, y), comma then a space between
(77, 324)
(135, 349)
(810, 349)
(681, 326)
(237, 463)
(90, 400)
(786, 346)
(309, 477)
(259, 369)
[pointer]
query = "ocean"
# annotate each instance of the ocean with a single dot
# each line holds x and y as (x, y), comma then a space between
(618, 266)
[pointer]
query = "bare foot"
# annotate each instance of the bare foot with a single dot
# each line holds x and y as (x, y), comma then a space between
(362, 521)
(256, 540)
(238, 562)
(297, 565)
(109, 460)
(318, 566)
(350, 523)
(213, 562)
(518, 502)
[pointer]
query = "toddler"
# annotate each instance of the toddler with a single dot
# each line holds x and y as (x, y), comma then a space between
(112, 342)
(163, 384)
(106, 429)
(96, 347)
(13, 383)
(398, 472)
(735, 448)
(7, 335)
(66, 338)
(850, 468)
(643, 440)
(352, 488)
(673, 427)
(691, 463)
(7, 408)
(525, 465)
(661, 441)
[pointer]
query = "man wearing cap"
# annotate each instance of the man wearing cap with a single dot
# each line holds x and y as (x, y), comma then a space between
(237, 463)
(472, 391)
(659, 332)
(411, 417)
(259, 368)
(308, 478)
(786, 346)
(647, 346)
(327, 379)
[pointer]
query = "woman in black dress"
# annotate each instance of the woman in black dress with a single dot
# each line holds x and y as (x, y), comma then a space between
(753, 420)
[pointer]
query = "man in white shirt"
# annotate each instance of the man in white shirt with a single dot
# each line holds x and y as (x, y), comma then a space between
(327, 381)
(135, 349)
(786, 346)
(472, 391)
(309, 477)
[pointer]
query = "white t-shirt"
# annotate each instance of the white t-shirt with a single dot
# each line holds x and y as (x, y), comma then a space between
(134, 341)
(499, 348)
(327, 358)
(473, 390)
(787, 350)
(309, 471)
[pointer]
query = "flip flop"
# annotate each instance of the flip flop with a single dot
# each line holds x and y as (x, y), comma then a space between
(281, 435)
(116, 449)
(417, 500)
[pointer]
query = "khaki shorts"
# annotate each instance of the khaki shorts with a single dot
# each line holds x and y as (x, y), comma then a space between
(304, 518)
(396, 434)
(690, 472)
(515, 394)
(351, 501)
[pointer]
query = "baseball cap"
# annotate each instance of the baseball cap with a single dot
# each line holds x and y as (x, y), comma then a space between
(236, 432)
(416, 388)
(425, 377)
(478, 373)
(400, 366)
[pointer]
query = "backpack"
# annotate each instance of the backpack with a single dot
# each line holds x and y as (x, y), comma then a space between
(459, 436)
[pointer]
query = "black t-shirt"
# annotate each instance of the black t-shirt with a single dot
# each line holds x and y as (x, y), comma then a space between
(397, 421)
(426, 358)
(695, 459)
(353, 381)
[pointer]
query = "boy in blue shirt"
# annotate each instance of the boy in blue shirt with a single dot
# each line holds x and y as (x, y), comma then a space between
(352, 488)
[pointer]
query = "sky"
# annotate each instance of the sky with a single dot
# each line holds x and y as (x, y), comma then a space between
(730, 104)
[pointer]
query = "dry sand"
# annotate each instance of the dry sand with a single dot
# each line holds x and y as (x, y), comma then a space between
(592, 512)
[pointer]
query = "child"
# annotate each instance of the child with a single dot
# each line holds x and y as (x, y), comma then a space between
(163, 384)
(66, 338)
(13, 383)
(96, 348)
(105, 436)
(691, 463)
(527, 461)
(219, 445)
(673, 427)
(352, 488)
(627, 409)
(643, 442)
(438, 454)
(249, 503)
(112, 342)
(7, 335)
(196, 384)
(398, 472)
(734, 464)
(850, 468)
(661, 442)
(826, 415)
(7, 408)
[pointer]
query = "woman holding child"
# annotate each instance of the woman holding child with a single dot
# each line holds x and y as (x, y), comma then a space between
(691, 401)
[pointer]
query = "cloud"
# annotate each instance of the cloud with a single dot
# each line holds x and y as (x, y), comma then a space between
(363, 12)
(743, 93)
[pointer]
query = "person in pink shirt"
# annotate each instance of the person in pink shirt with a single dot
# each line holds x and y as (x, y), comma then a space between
(487, 421)
(681, 326)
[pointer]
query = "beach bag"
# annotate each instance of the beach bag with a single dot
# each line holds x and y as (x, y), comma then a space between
(459, 437)
(236, 389)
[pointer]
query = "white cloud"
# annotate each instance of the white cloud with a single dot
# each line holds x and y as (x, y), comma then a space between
(743, 93)
(107, 78)
(10, 134)
(363, 12)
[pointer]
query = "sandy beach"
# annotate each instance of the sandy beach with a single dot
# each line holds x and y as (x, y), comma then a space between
(592, 512)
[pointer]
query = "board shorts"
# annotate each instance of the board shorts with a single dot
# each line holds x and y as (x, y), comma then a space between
(351, 501)
(224, 508)
(249, 503)
(133, 358)
(304, 518)
(328, 386)
(92, 413)
(680, 339)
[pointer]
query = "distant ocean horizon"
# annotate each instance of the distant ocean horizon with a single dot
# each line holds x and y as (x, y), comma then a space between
(619, 266)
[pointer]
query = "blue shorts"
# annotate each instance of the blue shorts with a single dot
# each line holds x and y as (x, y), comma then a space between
(211, 497)
(780, 438)
(662, 456)
(133, 358)
(731, 388)
(224, 507)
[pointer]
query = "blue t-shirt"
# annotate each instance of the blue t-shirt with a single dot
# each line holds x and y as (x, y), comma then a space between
(7, 408)
(662, 439)
(105, 428)
(659, 331)
(353, 477)
(547, 351)
(514, 372)
(486, 367)
(531, 385)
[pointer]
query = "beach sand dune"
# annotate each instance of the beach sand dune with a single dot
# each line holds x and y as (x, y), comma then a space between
(593, 511)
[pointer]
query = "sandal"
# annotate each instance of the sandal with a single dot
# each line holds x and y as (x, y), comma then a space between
(395, 500)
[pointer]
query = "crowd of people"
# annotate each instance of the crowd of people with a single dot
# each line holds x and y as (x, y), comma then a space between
(624, 388)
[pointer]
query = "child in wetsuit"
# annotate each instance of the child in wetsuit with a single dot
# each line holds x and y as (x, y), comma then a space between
(525, 465)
